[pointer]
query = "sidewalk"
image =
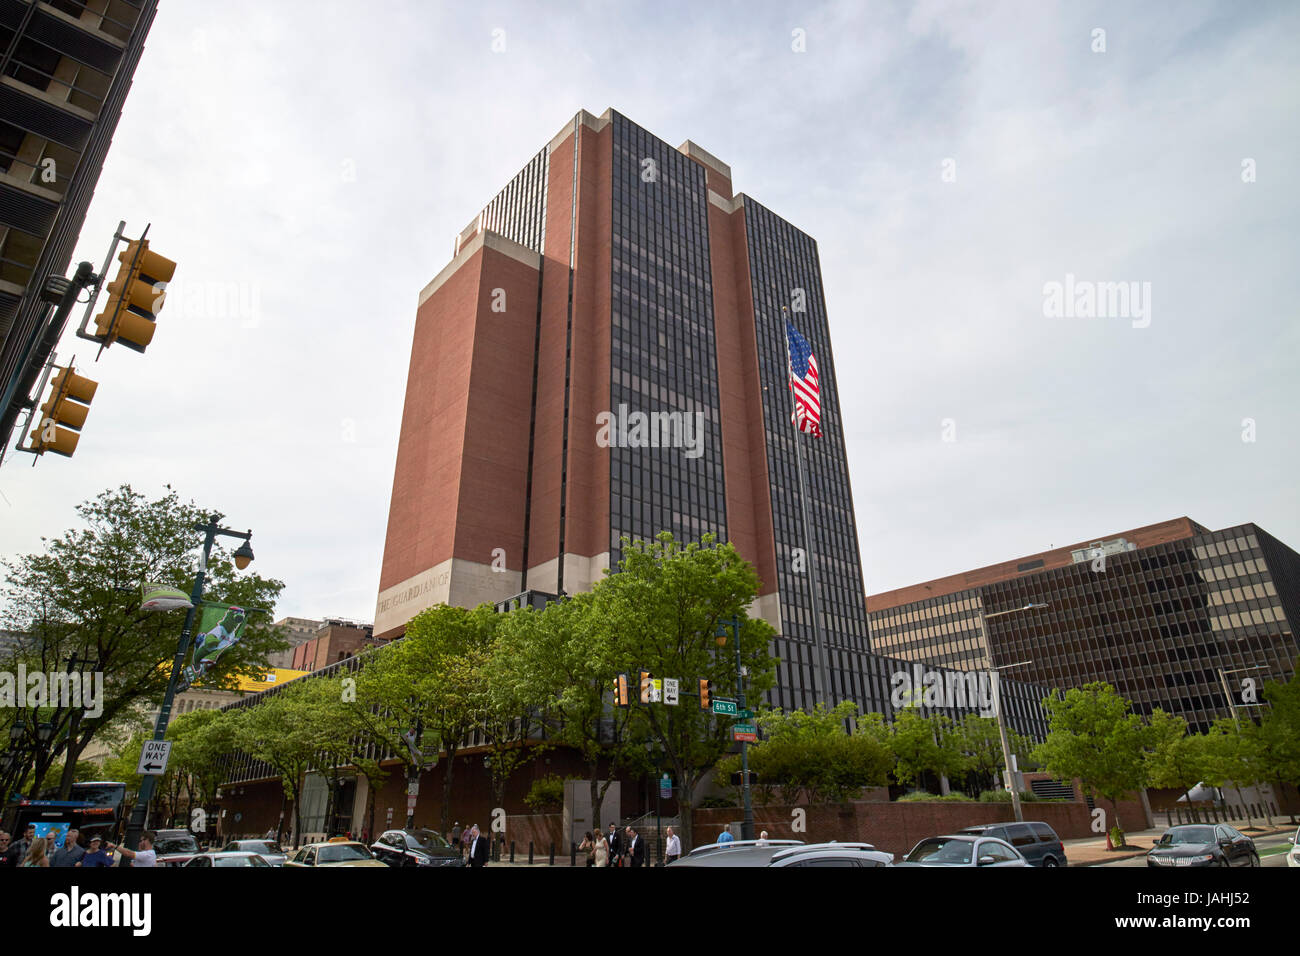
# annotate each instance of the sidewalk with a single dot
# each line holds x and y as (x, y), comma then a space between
(1091, 851)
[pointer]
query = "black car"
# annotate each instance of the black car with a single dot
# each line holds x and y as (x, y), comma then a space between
(175, 847)
(1037, 842)
(415, 848)
(1203, 845)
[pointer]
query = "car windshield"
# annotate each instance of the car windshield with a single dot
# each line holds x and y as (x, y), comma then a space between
(428, 840)
(175, 844)
(941, 851)
(1187, 835)
(342, 852)
(255, 846)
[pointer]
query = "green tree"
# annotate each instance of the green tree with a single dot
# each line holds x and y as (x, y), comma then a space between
(433, 680)
(925, 744)
(278, 731)
(560, 663)
(1278, 735)
(1233, 758)
(1093, 736)
(663, 608)
(79, 605)
(1174, 758)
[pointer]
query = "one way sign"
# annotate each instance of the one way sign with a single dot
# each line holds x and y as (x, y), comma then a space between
(153, 757)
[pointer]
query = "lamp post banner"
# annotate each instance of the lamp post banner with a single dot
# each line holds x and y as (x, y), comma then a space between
(220, 627)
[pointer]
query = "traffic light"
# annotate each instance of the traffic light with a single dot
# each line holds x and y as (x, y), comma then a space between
(645, 687)
(706, 694)
(620, 691)
(135, 297)
(69, 401)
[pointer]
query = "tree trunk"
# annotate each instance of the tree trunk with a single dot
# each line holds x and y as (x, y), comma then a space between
(446, 790)
(1250, 820)
(70, 768)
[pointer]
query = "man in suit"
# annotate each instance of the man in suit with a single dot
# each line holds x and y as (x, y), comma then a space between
(635, 848)
(478, 847)
(615, 841)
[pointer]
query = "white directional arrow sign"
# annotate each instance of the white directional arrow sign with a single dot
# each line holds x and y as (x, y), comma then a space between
(153, 757)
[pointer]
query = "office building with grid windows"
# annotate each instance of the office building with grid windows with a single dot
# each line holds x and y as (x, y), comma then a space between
(1173, 615)
(605, 356)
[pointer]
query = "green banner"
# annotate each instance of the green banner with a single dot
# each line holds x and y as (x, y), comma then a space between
(219, 627)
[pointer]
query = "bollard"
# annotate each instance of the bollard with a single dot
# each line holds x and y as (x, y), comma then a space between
(552, 863)
(573, 853)
(512, 851)
(530, 852)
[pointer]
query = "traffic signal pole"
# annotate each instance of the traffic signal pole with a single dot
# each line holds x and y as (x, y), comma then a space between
(747, 821)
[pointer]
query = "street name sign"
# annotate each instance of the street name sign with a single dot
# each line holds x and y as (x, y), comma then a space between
(723, 706)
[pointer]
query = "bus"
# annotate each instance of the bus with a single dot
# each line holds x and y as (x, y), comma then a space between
(94, 807)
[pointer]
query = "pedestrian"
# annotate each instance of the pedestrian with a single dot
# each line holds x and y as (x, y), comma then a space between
(762, 838)
(465, 837)
(271, 834)
(600, 851)
(635, 848)
(71, 852)
(725, 836)
(365, 835)
(35, 855)
(4, 850)
(674, 849)
(145, 856)
(95, 855)
(588, 846)
(615, 842)
(478, 848)
(18, 848)
(455, 834)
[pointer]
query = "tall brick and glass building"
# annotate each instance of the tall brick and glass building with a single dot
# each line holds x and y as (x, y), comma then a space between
(618, 275)
(1172, 615)
(65, 69)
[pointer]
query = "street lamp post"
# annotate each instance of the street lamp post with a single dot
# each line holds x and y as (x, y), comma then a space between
(747, 821)
(997, 701)
(242, 558)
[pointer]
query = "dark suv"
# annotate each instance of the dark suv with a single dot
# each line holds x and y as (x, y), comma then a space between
(175, 847)
(415, 848)
(1037, 842)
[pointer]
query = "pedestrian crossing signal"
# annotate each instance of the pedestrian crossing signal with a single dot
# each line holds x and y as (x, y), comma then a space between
(645, 687)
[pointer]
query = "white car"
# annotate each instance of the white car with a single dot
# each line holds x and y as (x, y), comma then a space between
(1293, 854)
(964, 849)
(223, 859)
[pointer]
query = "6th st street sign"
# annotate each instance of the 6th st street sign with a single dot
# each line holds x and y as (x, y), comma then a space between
(153, 758)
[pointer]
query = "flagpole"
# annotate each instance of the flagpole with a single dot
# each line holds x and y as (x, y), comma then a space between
(818, 641)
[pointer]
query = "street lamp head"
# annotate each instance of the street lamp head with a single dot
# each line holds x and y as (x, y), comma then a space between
(720, 635)
(244, 556)
(44, 732)
(16, 731)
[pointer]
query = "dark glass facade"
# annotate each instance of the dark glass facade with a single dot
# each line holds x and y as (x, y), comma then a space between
(662, 350)
(785, 272)
(1177, 625)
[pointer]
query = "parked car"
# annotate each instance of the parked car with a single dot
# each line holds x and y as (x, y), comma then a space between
(832, 854)
(415, 848)
(333, 853)
(175, 847)
(1293, 854)
(1036, 841)
(736, 853)
(963, 849)
(268, 850)
(223, 859)
(1203, 844)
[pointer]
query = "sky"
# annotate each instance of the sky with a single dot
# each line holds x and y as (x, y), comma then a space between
(308, 165)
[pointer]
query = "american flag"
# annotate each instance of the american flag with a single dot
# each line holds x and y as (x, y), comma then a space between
(807, 414)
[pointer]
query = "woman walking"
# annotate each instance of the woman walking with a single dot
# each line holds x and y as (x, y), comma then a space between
(36, 854)
(600, 850)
